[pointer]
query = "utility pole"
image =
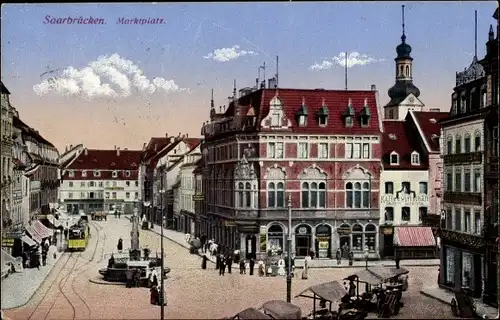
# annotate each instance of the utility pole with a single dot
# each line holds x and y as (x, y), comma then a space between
(289, 240)
(162, 276)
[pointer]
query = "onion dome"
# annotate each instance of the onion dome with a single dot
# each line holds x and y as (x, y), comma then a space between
(403, 50)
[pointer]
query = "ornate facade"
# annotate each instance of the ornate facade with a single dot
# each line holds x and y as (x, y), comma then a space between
(318, 148)
(6, 154)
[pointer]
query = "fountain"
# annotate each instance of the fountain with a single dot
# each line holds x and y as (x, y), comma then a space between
(118, 264)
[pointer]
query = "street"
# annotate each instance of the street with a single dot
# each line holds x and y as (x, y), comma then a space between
(191, 292)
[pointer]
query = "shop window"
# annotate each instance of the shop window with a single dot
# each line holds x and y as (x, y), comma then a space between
(275, 239)
(370, 235)
(450, 267)
(357, 237)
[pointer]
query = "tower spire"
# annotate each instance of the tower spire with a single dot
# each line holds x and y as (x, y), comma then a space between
(212, 100)
(234, 89)
(403, 37)
(475, 34)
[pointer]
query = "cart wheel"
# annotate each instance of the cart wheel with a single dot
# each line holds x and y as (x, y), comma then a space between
(454, 307)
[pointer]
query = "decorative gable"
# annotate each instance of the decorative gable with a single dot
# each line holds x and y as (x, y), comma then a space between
(411, 101)
(276, 118)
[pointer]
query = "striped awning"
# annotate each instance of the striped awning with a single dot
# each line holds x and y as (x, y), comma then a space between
(56, 223)
(35, 236)
(30, 242)
(42, 230)
(414, 237)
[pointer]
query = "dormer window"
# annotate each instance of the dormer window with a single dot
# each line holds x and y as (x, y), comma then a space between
(302, 114)
(365, 115)
(349, 115)
(115, 174)
(323, 114)
(394, 159)
(415, 158)
(97, 173)
(84, 173)
(463, 103)
(71, 173)
(127, 173)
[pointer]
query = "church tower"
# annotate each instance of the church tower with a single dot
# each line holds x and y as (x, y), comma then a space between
(404, 94)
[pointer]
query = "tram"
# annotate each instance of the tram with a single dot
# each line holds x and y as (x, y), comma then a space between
(78, 235)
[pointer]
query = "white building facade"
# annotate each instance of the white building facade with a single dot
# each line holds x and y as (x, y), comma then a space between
(187, 191)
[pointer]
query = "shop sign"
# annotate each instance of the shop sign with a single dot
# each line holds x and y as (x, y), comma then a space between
(323, 244)
(263, 242)
(198, 197)
(323, 238)
(115, 188)
(229, 223)
(263, 230)
(404, 199)
(7, 242)
(14, 235)
(344, 230)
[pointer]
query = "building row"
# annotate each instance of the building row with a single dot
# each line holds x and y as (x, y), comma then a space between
(30, 174)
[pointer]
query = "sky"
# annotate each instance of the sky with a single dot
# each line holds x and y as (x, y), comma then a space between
(110, 83)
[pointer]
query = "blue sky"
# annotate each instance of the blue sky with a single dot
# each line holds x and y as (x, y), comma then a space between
(302, 34)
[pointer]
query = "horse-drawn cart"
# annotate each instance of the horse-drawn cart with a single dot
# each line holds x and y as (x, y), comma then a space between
(99, 215)
(463, 305)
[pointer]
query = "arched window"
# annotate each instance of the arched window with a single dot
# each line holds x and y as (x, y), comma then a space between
(484, 100)
(248, 195)
(370, 234)
(401, 71)
(477, 141)
(305, 195)
(276, 195)
(467, 143)
(322, 195)
(407, 71)
(449, 145)
(357, 195)
(458, 144)
(463, 103)
(239, 192)
(275, 239)
(357, 237)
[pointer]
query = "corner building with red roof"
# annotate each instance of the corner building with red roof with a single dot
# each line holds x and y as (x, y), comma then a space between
(317, 150)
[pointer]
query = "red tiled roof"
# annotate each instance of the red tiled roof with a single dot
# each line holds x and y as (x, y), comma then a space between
(192, 142)
(414, 237)
(91, 159)
(399, 136)
(155, 145)
(430, 128)
(335, 100)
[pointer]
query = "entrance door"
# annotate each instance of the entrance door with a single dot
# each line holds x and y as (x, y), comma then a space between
(345, 245)
(302, 245)
(389, 245)
(251, 243)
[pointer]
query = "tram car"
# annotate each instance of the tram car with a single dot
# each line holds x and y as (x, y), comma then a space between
(78, 235)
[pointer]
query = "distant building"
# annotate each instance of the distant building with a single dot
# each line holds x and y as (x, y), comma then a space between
(101, 180)
(7, 178)
(320, 148)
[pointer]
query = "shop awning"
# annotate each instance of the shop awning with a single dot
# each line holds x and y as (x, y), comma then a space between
(30, 242)
(56, 223)
(35, 236)
(414, 237)
(6, 258)
(42, 230)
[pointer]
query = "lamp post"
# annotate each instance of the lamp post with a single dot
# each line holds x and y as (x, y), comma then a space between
(289, 244)
(367, 255)
(162, 288)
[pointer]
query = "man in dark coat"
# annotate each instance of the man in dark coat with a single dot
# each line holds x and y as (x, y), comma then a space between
(204, 262)
(119, 246)
(338, 256)
(222, 266)
(252, 265)
(229, 261)
(217, 262)
(111, 261)
(203, 241)
(242, 267)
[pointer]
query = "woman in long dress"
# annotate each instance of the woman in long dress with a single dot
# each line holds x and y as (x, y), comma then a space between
(306, 267)
(281, 267)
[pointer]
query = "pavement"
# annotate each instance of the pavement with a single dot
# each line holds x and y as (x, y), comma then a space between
(19, 287)
(179, 238)
(445, 296)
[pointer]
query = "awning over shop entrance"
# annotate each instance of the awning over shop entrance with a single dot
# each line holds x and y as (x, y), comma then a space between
(6, 258)
(30, 242)
(35, 236)
(42, 230)
(414, 237)
(56, 223)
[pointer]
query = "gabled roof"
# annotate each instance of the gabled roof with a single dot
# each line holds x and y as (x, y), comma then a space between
(92, 159)
(399, 137)
(4, 88)
(30, 132)
(427, 123)
(156, 144)
(336, 102)
(192, 143)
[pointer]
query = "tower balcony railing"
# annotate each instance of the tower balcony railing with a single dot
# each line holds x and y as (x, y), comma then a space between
(469, 157)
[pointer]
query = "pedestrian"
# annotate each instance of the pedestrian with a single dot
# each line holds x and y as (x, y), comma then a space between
(154, 295)
(204, 262)
(229, 262)
(119, 214)
(397, 262)
(115, 213)
(351, 257)
(242, 267)
(222, 266)
(203, 240)
(217, 262)
(129, 276)
(44, 258)
(119, 246)
(252, 265)
(338, 256)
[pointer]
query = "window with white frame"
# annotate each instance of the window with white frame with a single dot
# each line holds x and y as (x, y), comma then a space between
(100, 184)
(276, 195)
(323, 150)
(303, 150)
(477, 222)
(394, 158)
(313, 195)
(468, 221)
(115, 174)
(389, 214)
(70, 195)
(353, 150)
(70, 184)
(357, 151)
(467, 180)
(389, 188)
(244, 195)
(366, 151)
(97, 173)
(114, 183)
(448, 181)
(71, 173)
(477, 141)
(449, 146)
(82, 195)
(477, 180)
(82, 184)
(127, 183)
(415, 158)
(348, 150)
(275, 119)
(84, 173)
(467, 142)
(127, 173)
(127, 195)
(357, 195)
(275, 150)
(458, 180)
(91, 184)
(458, 144)
(423, 187)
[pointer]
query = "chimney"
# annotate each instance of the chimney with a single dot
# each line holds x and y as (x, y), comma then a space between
(166, 134)
(70, 146)
(373, 87)
(172, 139)
(220, 109)
(256, 83)
(144, 146)
(125, 149)
(115, 146)
(66, 150)
(86, 152)
(179, 134)
(187, 135)
(118, 151)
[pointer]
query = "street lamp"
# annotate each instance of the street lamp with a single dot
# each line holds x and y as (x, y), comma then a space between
(289, 244)
(162, 288)
(367, 255)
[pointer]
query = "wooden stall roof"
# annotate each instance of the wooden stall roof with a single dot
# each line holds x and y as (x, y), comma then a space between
(329, 291)
(251, 313)
(279, 309)
(378, 274)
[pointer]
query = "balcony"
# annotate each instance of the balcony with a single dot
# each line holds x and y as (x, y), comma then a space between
(464, 240)
(458, 158)
(463, 198)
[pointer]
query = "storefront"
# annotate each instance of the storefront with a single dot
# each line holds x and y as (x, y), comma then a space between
(303, 240)
(462, 268)
(323, 241)
(387, 241)
(415, 243)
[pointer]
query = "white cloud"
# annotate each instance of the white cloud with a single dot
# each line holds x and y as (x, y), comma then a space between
(227, 54)
(353, 59)
(108, 76)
